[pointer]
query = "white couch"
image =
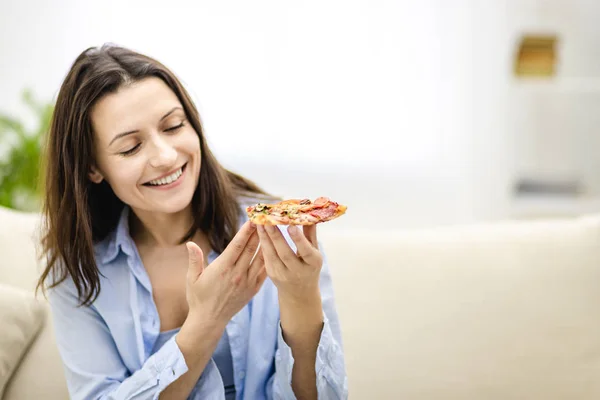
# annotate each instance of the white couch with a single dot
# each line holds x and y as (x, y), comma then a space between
(490, 312)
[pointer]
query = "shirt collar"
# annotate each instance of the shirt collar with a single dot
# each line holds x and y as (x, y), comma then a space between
(119, 238)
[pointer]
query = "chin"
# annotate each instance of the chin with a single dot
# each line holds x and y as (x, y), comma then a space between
(172, 208)
(174, 205)
(168, 205)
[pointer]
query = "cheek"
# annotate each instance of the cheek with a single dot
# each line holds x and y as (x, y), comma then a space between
(123, 175)
(192, 142)
(198, 153)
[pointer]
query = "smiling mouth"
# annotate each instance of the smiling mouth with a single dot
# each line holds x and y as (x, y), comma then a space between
(167, 179)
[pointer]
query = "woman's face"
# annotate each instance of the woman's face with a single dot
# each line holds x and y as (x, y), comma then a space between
(145, 147)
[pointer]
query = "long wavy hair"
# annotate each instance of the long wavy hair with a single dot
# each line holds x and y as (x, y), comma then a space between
(78, 213)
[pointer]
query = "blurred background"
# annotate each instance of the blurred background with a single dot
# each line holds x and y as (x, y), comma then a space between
(429, 112)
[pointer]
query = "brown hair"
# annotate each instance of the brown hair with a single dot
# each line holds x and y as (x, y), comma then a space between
(78, 213)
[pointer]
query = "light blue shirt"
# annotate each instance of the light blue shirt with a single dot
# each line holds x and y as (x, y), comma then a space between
(108, 349)
(221, 356)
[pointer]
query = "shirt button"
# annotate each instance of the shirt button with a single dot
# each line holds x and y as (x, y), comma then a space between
(173, 371)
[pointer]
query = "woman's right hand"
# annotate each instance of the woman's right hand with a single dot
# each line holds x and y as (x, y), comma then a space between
(214, 295)
(217, 292)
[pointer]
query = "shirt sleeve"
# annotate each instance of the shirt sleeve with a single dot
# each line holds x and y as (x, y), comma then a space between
(93, 367)
(332, 382)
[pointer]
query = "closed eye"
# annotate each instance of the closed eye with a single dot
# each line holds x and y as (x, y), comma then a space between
(137, 146)
(174, 128)
(130, 151)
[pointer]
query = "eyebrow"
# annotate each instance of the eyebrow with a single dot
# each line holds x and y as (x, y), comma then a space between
(120, 135)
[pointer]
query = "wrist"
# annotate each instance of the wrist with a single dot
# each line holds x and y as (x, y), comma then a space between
(301, 320)
(198, 334)
(304, 298)
(198, 323)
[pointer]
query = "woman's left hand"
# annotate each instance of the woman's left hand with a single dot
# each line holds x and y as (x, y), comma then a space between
(296, 276)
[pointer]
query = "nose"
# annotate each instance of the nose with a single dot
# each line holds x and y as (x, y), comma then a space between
(164, 155)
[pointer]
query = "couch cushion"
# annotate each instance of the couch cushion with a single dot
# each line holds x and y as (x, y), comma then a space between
(42, 365)
(19, 265)
(21, 316)
(495, 312)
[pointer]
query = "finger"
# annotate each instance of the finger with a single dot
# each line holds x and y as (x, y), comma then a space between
(195, 261)
(255, 254)
(243, 262)
(310, 231)
(283, 249)
(261, 278)
(306, 251)
(236, 246)
(267, 248)
(256, 264)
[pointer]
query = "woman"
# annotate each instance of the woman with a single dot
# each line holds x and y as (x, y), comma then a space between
(157, 283)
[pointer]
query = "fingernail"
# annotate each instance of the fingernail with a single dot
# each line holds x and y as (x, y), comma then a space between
(292, 230)
(252, 226)
(260, 228)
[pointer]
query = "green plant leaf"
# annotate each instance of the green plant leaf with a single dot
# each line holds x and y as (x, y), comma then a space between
(8, 124)
(31, 101)
(20, 170)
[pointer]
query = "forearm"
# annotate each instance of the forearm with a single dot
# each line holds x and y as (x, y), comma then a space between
(197, 341)
(302, 323)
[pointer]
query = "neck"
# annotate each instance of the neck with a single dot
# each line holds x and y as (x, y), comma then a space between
(160, 229)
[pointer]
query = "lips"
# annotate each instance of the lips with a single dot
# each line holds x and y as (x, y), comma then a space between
(156, 181)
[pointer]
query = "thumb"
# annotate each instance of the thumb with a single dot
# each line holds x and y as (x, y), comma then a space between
(196, 261)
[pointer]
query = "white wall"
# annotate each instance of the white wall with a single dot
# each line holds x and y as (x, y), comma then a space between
(401, 103)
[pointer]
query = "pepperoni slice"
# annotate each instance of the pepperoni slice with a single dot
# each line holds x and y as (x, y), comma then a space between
(323, 213)
(321, 202)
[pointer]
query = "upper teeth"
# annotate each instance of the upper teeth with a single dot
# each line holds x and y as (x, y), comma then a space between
(168, 179)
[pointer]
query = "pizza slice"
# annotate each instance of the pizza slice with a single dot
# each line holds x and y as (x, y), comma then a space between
(295, 212)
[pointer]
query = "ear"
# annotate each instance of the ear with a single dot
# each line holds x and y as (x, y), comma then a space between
(94, 175)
